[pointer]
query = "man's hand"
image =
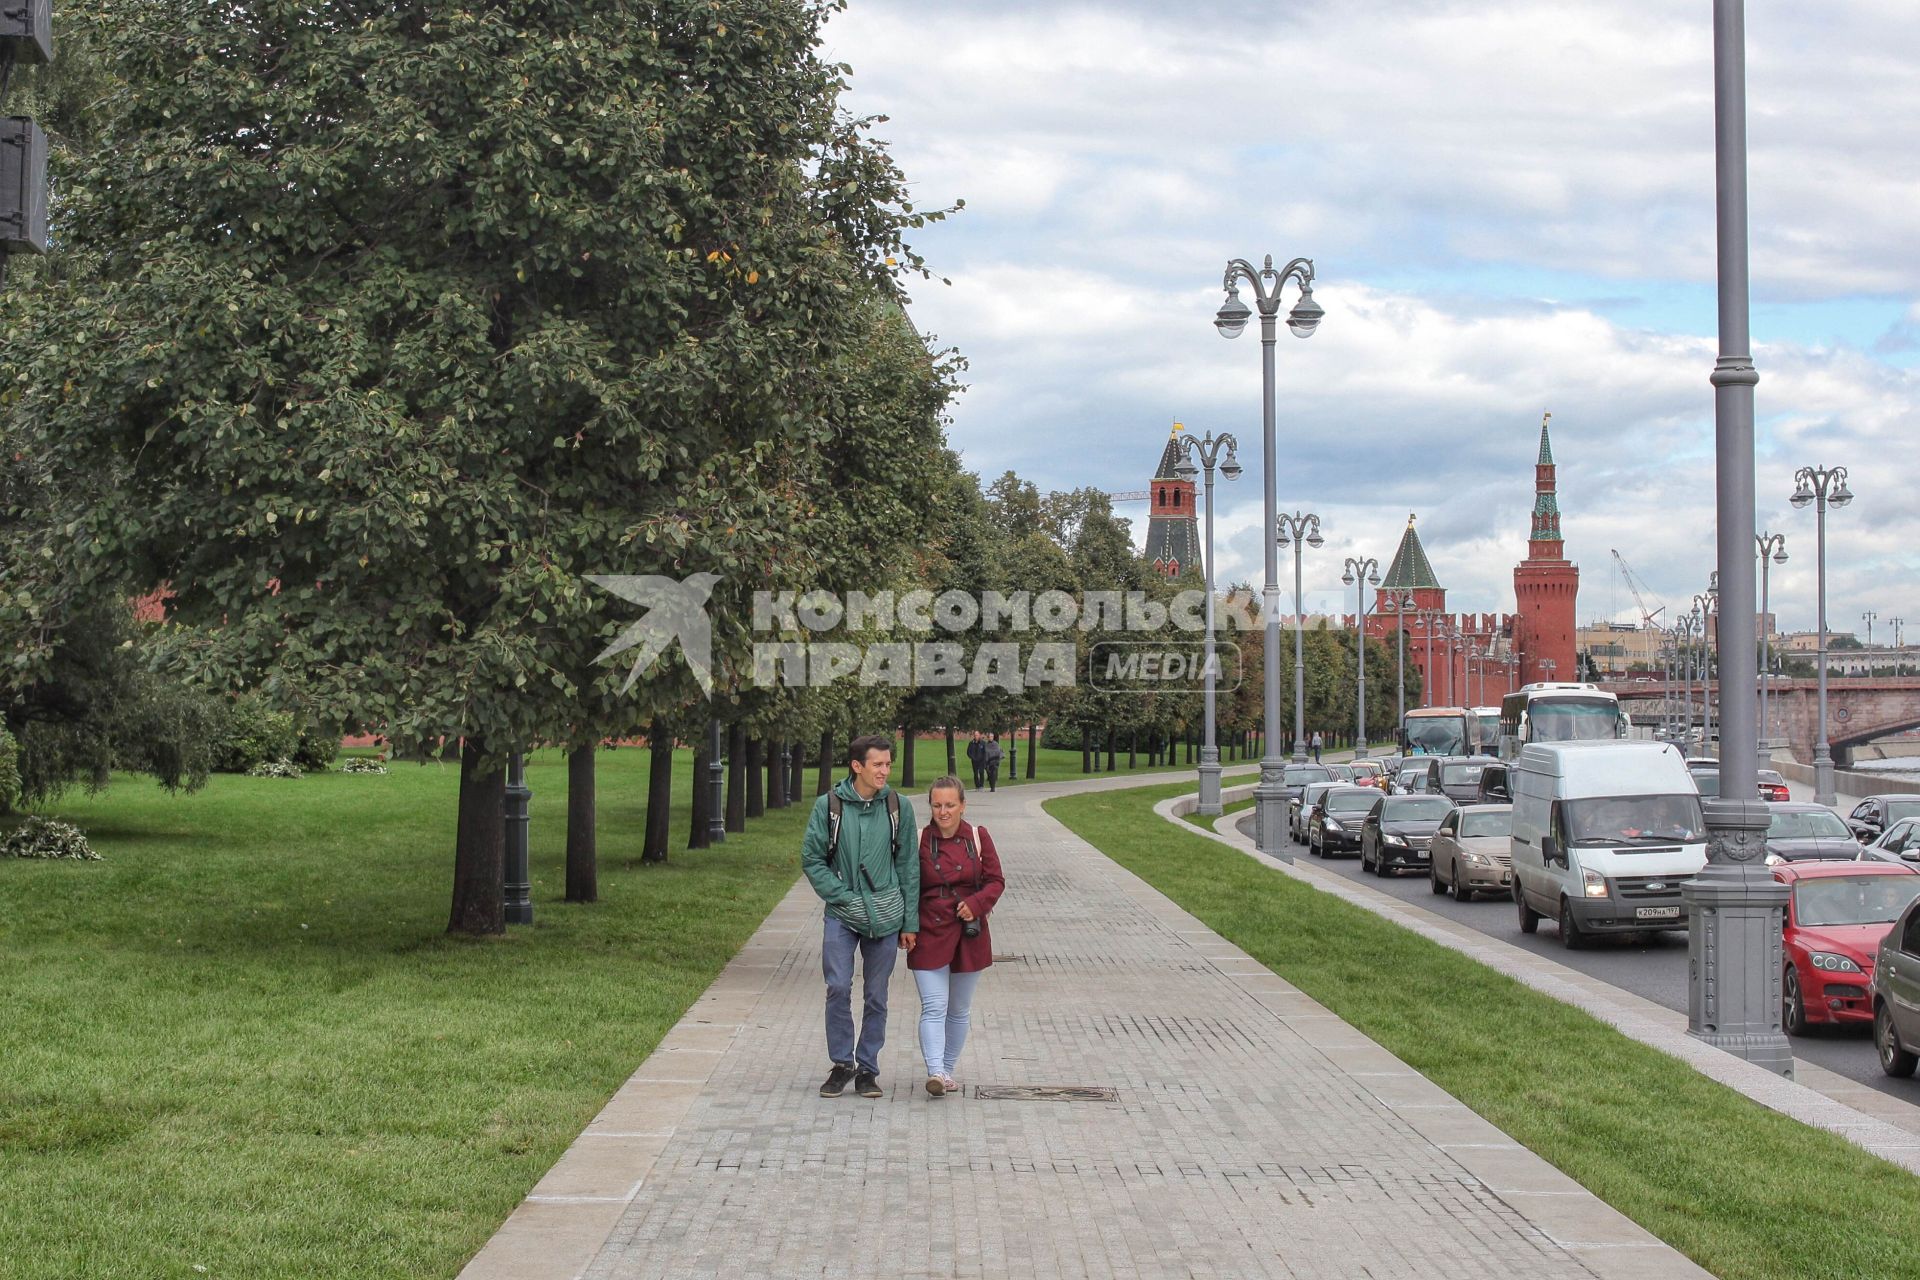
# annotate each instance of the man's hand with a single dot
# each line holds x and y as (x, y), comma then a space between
(907, 940)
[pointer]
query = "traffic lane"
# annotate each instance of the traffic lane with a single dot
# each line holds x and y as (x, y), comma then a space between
(1652, 966)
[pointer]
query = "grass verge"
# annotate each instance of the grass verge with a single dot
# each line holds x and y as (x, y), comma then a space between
(1745, 1192)
(243, 1046)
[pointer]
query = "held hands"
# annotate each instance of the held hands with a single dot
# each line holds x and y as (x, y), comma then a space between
(907, 940)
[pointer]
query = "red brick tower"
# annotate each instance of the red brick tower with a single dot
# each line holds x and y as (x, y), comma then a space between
(1173, 525)
(1545, 584)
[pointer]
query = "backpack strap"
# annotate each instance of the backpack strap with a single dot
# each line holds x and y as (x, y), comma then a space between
(893, 822)
(834, 807)
(979, 867)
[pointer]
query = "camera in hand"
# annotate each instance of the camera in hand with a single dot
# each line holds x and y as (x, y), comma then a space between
(970, 928)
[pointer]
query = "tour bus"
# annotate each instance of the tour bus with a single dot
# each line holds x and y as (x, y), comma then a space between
(1439, 731)
(1487, 722)
(1564, 712)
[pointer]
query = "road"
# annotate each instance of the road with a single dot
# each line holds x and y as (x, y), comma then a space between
(1655, 970)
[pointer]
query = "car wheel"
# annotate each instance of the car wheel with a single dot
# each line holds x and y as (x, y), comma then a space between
(1315, 848)
(1793, 1009)
(1894, 1060)
(1460, 891)
(1529, 918)
(1433, 877)
(1570, 935)
(1363, 857)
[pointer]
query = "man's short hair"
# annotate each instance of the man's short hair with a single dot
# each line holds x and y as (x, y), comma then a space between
(865, 745)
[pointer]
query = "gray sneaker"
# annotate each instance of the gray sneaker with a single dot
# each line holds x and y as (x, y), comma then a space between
(837, 1080)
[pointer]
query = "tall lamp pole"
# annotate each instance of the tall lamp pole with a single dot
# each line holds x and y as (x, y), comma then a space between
(1868, 618)
(1361, 573)
(1300, 527)
(1399, 604)
(1209, 451)
(1735, 908)
(1772, 547)
(1826, 487)
(1270, 795)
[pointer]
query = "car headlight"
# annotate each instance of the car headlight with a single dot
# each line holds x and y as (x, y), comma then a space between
(1476, 859)
(1328, 824)
(1828, 962)
(1774, 859)
(1399, 840)
(1596, 884)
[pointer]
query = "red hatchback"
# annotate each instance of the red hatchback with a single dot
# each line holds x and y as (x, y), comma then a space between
(1836, 918)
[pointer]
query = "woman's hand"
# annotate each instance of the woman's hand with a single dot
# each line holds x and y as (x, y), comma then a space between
(964, 911)
(907, 940)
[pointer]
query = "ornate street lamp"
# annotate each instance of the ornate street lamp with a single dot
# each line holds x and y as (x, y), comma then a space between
(1209, 451)
(1364, 571)
(1270, 796)
(1826, 487)
(1298, 528)
(1397, 604)
(1706, 604)
(1772, 547)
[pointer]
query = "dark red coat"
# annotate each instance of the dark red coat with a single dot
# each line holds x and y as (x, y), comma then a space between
(950, 875)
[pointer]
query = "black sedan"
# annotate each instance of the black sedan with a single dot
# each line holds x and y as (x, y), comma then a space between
(1806, 832)
(1337, 820)
(1876, 813)
(1399, 832)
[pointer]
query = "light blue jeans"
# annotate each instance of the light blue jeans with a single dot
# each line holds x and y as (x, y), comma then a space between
(946, 1011)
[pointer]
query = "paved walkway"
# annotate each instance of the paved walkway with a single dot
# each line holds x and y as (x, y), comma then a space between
(1250, 1132)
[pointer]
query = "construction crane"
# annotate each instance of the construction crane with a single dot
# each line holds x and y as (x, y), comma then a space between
(1637, 587)
(1129, 495)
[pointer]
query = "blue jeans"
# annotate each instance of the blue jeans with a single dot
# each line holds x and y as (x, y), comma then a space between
(946, 1011)
(877, 956)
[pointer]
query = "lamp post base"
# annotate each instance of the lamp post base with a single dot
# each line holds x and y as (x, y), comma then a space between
(1209, 782)
(1270, 811)
(1735, 914)
(1823, 776)
(517, 885)
(1360, 749)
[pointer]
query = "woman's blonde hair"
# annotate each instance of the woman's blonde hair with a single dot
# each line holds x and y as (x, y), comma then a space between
(947, 782)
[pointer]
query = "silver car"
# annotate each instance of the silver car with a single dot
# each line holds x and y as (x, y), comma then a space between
(1899, 843)
(1472, 852)
(1300, 809)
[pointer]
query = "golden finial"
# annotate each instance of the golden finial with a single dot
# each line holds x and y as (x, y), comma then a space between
(1409, 519)
(1177, 429)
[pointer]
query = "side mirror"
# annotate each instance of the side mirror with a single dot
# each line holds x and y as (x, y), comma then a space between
(1549, 849)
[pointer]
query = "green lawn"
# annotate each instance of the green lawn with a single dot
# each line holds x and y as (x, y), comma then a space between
(1226, 810)
(1744, 1191)
(243, 1043)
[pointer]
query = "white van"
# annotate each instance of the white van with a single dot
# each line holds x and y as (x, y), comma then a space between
(1603, 835)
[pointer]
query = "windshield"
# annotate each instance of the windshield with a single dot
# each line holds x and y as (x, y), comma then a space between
(1612, 820)
(1300, 774)
(1490, 823)
(1314, 791)
(1461, 775)
(1852, 899)
(1489, 732)
(1351, 801)
(1412, 778)
(1415, 809)
(1807, 825)
(1708, 780)
(1571, 720)
(1366, 768)
(1437, 735)
(1343, 772)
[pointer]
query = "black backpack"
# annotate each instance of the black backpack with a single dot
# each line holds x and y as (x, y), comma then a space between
(834, 807)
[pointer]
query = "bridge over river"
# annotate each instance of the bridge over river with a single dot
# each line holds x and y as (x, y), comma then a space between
(1859, 709)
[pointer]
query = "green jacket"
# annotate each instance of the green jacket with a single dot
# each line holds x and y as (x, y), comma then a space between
(874, 889)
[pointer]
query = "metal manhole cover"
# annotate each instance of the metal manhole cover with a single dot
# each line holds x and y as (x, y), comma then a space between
(1046, 1093)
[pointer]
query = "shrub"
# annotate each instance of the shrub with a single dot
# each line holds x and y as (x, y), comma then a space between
(275, 769)
(254, 733)
(315, 750)
(363, 764)
(46, 838)
(9, 771)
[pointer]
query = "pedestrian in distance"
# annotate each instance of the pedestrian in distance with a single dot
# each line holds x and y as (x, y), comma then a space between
(960, 881)
(868, 877)
(993, 755)
(977, 757)
(1318, 742)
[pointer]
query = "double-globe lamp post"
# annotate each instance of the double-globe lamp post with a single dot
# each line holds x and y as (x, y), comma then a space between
(1772, 546)
(1270, 795)
(1209, 451)
(1365, 571)
(1706, 604)
(1825, 487)
(1300, 527)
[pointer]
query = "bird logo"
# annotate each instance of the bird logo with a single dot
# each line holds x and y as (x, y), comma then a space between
(676, 610)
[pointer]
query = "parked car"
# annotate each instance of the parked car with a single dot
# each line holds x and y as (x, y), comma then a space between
(1472, 851)
(1455, 777)
(1807, 832)
(1774, 787)
(1603, 835)
(1893, 989)
(1876, 813)
(1495, 784)
(1836, 918)
(1295, 777)
(1899, 843)
(1337, 821)
(1411, 780)
(1399, 830)
(1300, 808)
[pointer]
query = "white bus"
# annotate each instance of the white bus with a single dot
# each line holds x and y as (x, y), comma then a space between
(1551, 712)
(1487, 727)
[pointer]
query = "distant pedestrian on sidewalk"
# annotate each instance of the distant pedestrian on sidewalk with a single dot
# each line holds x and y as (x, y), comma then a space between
(993, 755)
(1318, 742)
(864, 869)
(977, 757)
(960, 881)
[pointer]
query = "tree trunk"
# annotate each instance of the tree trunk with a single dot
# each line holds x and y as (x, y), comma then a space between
(659, 797)
(906, 756)
(953, 767)
(480, 847)
(1109, 750)
(797, 776)
(697, 837)
(756, 785)
(1087, 760)
(1032, 750)
(583, 871)
(776, 775)
(736, 778)
(825, 779)
(1133, 750)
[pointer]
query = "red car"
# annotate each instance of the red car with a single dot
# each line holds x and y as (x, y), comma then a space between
(1773, 786)
(1836, 918)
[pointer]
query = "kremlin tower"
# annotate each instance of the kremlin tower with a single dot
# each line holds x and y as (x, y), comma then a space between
(1544, 584)
(1173, 525)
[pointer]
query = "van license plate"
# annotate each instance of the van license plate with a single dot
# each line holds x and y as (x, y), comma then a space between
(1656, 913)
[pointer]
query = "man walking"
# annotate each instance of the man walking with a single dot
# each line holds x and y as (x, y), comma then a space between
(992, 755)
(1317, 741)
(861, 855)
(977, 757)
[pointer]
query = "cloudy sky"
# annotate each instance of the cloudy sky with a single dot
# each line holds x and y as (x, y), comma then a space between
(1510, 209)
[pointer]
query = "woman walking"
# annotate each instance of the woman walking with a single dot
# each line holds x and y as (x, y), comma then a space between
(960, 881)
